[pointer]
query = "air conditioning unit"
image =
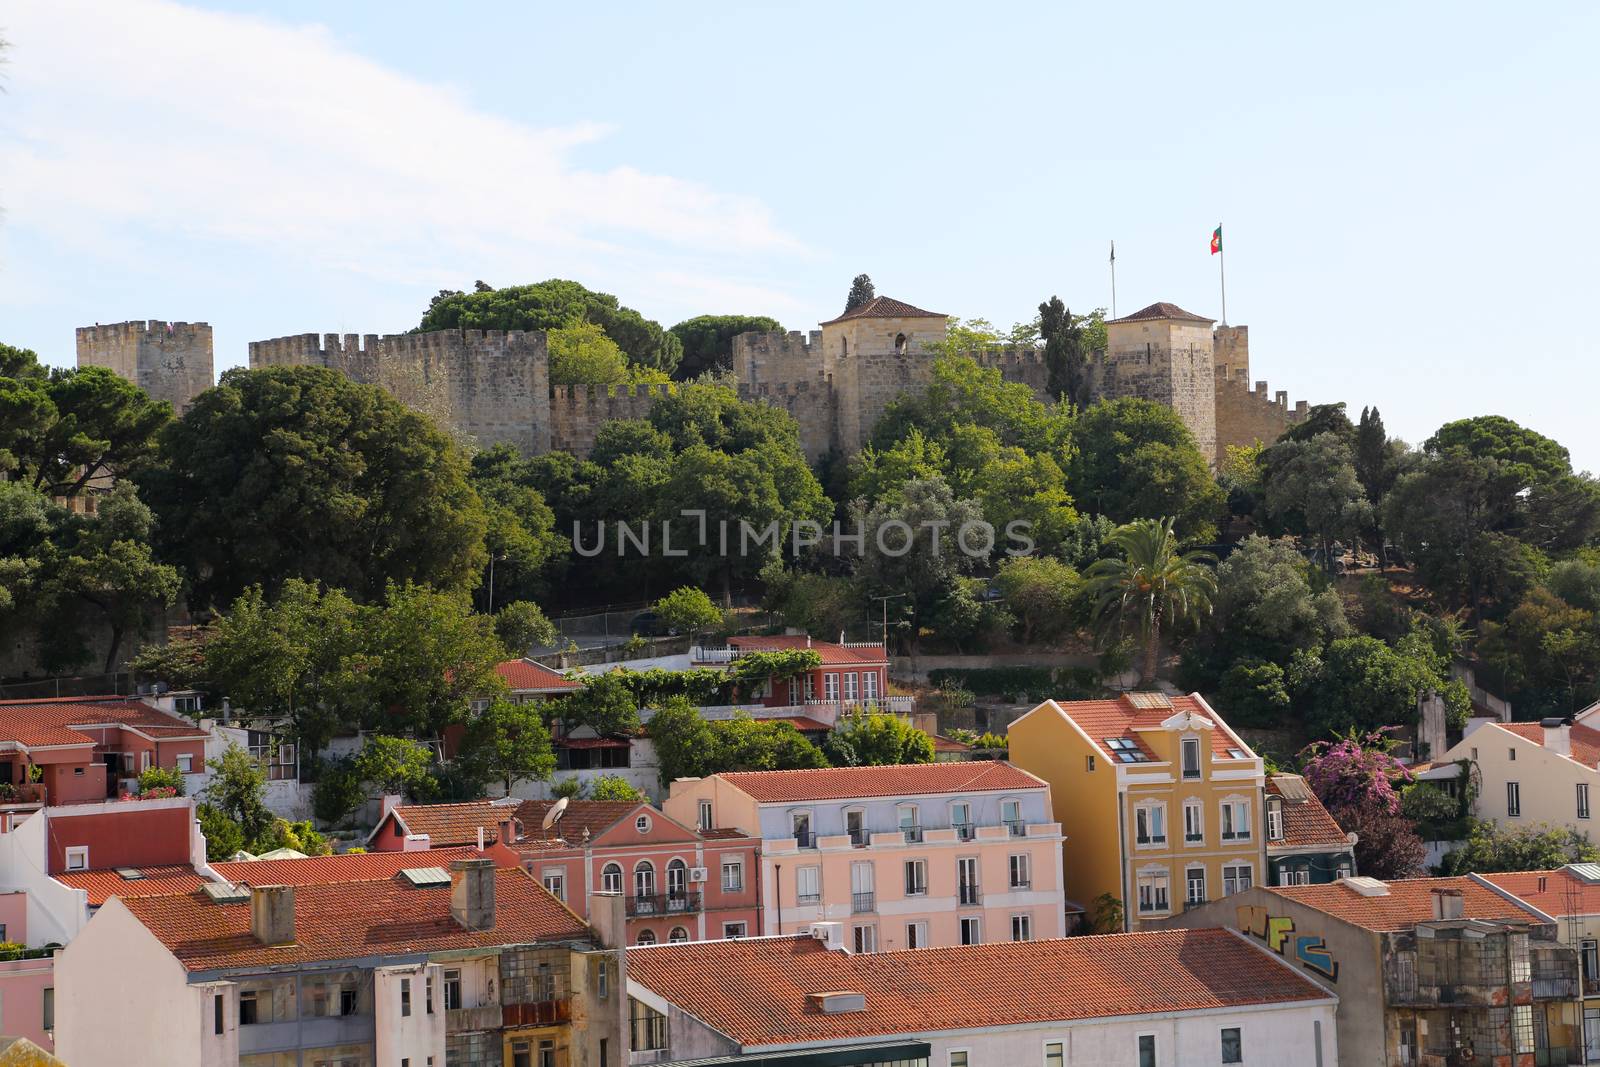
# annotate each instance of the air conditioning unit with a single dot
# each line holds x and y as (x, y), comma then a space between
(697, 874)
(128, 785)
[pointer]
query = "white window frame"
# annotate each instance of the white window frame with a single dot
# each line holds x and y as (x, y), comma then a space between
(862, 837)
(736, 883)
(869, 687)
(1153, 888)
(1150, 824)
(1185, 746)
(1583, 800)
(706, 821)
(1513, 800)
(1022, 923)
(1190, 900)
(975, 923)
(554, 879)
(185, 763)
(864, 937)
(808, 884)
(965, 1057)
(1194, 819)
(1011, 817)
(1274, 818)
(916, 886)
(735, 930)
(1055, 1054)
(917, 934)
(811, 823)
(1236, 813)
(1230, 875)
(77, 857)
(830, 687)
(851, 679)
(911, 831)
(810, 686)
(1019, 870)
(612, 873)
(644, 879)
(964, 827)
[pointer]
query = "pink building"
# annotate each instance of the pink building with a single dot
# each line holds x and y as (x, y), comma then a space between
(678, 884)
(914, 856)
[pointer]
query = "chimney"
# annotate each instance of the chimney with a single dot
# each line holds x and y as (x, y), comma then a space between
(272, 914)
(1557, 736)
(387, 803)
(508, 831)
(609, 918)
(472, 893)
(1447, 904)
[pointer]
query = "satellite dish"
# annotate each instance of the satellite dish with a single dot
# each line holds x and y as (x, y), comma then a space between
(558, 809)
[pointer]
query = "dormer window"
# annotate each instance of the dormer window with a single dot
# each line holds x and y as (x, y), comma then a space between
(1274, 818)
(1125, 750)
(1191, 757)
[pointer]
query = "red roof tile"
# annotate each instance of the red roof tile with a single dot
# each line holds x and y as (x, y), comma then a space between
(1585, 739)
(758, 990)
(1409, 901)
(351, 866)
(911, 779)
(1163, 310)
(1125, 718)
(40, 723)
(831, 653)
(526, 675)
(1559, 892)
(346, 920)
(1306, 823)
(454, 824)
(885, 307)
(103, 885)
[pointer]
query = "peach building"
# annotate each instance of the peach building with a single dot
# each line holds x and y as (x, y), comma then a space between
(914, 856)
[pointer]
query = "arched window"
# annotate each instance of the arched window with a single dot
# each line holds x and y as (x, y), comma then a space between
(611, 878)
(899, 343)
(844, 346)
(677, 882)
(644, 879)
(646, 937)
(678, 935)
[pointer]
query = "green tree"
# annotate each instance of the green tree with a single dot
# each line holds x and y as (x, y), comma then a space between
(1322, 419)
(509, 743)
(881, 474)
(689, 610)
(814, 603)
(1254, 693)
(1311, 488)
(891, 564)
(394, 765)
(1066, 354)
(582, 354)
(1490, 849)
(1136, 459)
(707, 341)
(615, 788)
(1533, 456)
(553, 305)
(238, 790)
(1042, 594)
(876, 739)
(606, 704)
(427, 657)
(684, 744)
(224, 838)
(338, 792)
(520, 626)
(861, 292)
(153, 778)
(1363, 683)
(689, 746)
(1266, 605)
(523, 544)
(96, 423)
(300, 472)
(1152, 585)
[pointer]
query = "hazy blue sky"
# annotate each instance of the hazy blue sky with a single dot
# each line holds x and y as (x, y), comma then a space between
(1408, 191)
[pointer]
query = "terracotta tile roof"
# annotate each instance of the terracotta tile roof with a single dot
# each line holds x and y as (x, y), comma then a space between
(723, 834)
(1163, 310)
(910, 779)
(1306, 823)
(1559, 892)
(941, 743)
(831, 653)
(1409, 901)
(351, 866)
(38, 723)
(1125, 718)
(596, 816)
(885, 307)
(105, 884)
(347, 920)
(525, 674)
(454, 824)
(1585, 739)
(457, 824)
(757, 990)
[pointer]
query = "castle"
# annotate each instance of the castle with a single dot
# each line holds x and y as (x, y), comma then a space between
(493, 387)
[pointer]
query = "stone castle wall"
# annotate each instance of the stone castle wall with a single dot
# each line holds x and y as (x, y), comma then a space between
(170, 361)
(578, 411)
(490, 387)
(1182, 379)
(1025, 366)
(1246, 416)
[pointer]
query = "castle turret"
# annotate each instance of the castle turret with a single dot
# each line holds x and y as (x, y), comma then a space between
(1163, 353)
(169, 360)
(874, 353)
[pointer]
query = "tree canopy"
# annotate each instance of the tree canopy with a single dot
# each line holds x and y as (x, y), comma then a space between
(707, 341)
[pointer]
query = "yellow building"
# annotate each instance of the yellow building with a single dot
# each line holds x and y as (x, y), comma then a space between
(1160, 803)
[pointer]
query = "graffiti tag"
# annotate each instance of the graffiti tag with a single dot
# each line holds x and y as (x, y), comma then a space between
(1278, 932)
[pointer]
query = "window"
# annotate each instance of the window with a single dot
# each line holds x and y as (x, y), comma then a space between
(850, 686)
(1147, 1050)
(216, 1013)
(427, 994)
(78, 858)
(644, 879)
(705, 815)
(1583, 800)
(1274, 818)
(49, 1019)
(405, 997)
(605, 1053)
(347, 1002)
(1022, 927)
(603, 980)
(916, 878)
(452, 989)
(910, 823)
(1154, 888)
(1194, 886)
(1055, 1054)
(1522, 1027)
(810, 686)
(733, 876)
(1150, 824)
(1194, 822)
(247, 1008)
(917, 935)
(1591, 959)
(677, 884)
(961, 820)
(869, 687)
(958, 1057)
(556, 882)
(1088, 763)
(808, 885)
(1125, 750)
(971, 930)
(1511, 754)
(1191, 757)
(648, 1027)
(642, 824)
(1021, 871)
(830, 687)
(1236, 878)
(1011, 815)
(77, 772)
(967, 881)
(1232, 1046)
(866, 937)
(677, 936)
(646, 937)
(611, 878)
(1236, 820)
(733, 930)
(185, 763)
(862, 888)
(1513, 803)
(800, 826)
(855, 825)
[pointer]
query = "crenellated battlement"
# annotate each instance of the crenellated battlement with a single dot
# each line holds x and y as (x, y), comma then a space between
(1011, 356)
(576, 394)
(156, 330)
(1248, 413)
(169, 360)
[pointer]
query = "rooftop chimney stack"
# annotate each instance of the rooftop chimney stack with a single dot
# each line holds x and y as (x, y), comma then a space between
(1557, 736)
(472, 893)
(1447, 904)
(508, 831)
(272, 914)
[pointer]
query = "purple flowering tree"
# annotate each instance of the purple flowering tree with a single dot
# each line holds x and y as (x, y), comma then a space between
(1356, 779)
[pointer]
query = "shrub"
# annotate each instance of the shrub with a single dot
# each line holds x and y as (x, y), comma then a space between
(1013, 683)
(338, 792)
(162, 778)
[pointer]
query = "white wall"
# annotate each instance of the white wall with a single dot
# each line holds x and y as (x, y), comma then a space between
(56, 913)
(418, 1035)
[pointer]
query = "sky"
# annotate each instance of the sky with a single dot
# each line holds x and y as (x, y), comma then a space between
(1406, 191)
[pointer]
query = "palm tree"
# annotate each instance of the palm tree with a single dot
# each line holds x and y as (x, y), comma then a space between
(1152, 585)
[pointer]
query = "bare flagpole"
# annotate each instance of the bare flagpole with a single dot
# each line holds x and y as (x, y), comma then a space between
(1113, 279)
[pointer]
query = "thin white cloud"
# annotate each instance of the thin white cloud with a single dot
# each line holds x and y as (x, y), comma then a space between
(145, 113)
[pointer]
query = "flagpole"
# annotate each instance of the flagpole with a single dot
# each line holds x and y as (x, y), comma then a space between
(1222, 274)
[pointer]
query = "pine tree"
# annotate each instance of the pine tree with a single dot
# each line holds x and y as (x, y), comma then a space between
(861, 292)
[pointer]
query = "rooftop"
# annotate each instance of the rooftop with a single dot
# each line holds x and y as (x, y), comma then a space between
(885, 307)
(351, 866)
(759, 990)
(349, 920)
(1585, 739)
(40, 723)
(102, 885)
(525, 675)
(830, 652)
(1163, 310)
(1125, 717)
(1408, 901)
(1560, 892)
(1306, 823)
(910, 779)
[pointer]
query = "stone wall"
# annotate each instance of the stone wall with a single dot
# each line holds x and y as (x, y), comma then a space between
(771, 358)
(489, 387)
(1022, 365)
(171, 361)
(1246, 416)
(1182, 379)
(578, 411)
(1230, 346)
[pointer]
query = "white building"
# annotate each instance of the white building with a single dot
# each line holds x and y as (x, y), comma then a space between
(1530, 773)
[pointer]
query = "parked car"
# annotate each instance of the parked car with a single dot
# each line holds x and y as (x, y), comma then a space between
(650, 624)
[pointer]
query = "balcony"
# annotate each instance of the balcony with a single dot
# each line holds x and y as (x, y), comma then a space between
(913, 834)
(1018, 828)
(858, 838)
(805, 839)
(808, 898)
(965, 831)
(663, 903)
(970, 895)
(1021, 885)
(483, 1017)
(862, 903)
(538, 1013)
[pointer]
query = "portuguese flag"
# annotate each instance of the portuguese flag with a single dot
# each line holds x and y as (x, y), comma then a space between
(1216, 240)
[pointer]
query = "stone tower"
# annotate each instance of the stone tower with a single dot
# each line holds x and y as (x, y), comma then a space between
(169, 360)
(1163, 353)
(874, 353)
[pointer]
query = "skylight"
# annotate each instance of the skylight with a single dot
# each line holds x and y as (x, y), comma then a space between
(1125, 750)
(427, 877)
(1237, 753)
